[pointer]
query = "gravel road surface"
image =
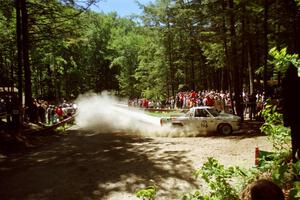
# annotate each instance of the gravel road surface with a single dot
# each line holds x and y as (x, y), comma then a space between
(85, 165)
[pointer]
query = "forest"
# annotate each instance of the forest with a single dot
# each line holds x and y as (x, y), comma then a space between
(61, 48)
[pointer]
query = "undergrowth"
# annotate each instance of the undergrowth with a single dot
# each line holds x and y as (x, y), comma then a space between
(227, 183)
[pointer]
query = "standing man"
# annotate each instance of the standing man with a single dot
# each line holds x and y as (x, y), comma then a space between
(252, 105)
(291, 107)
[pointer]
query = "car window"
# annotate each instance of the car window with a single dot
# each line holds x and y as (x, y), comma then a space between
(201, 113)
(213, 111)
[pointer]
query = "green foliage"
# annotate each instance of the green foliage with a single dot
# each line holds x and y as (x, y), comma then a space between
(295, 191)
(227, 183)
(281, 60)
(224, 183)
(278, 162)
(176, 43)
(126, 47)
(214, 54)
(147, 193)
(273, 127)
(151, 71)
(8, 55)
(283, 171)
(197, 195)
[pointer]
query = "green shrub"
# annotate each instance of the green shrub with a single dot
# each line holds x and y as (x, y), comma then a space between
(223, 183)
(147, 193)
(227, 183)
(277, 133)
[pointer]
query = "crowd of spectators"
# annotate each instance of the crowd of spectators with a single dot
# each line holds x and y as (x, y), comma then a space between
(42, 112)
(145, 103)
(39, 112)
(221, 100)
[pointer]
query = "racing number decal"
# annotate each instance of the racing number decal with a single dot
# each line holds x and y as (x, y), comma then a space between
(204, 124)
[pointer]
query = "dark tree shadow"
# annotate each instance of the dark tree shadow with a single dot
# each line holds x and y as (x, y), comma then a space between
(86, 165)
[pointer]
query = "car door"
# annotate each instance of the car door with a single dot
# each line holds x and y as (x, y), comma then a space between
(200, 120)
(213, 121)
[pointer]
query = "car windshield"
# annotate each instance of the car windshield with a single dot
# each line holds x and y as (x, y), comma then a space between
(213, 111)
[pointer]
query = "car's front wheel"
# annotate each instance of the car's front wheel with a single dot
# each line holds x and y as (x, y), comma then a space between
(225, 129)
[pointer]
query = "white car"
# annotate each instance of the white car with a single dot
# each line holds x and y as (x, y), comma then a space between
(206, 119)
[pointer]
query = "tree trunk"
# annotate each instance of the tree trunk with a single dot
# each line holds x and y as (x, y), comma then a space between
(20, 62)
(234, 62)
(296, 31)
(25, 43)
(227, 57)
(192, 50)
(249, 55)
(20, 54)
(266, 48)
(250, 71)
(244, 43)
(170, 59)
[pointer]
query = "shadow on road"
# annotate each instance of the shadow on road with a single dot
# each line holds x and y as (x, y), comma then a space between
(86, 165)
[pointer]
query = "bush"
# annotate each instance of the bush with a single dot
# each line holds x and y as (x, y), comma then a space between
(147, 193)
(227, 183)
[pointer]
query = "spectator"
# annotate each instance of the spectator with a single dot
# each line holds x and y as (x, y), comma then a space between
(49, 112)
(53, 115)
(33, 112)
(59, 113)
(145, 103)
(291, 107)
(41, 111)
(262, 190)
(245, 104)
(9, 109)
(252, 106)
(218, 104)
(209, 101)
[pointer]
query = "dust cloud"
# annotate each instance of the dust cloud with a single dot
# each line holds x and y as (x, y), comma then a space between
(103, 113)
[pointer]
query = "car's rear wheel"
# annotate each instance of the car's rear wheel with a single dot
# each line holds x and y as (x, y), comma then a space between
(225, 129)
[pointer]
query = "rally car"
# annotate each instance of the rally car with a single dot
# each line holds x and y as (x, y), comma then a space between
(205, 118)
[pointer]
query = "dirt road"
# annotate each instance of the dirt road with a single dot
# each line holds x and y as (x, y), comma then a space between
(83, 165)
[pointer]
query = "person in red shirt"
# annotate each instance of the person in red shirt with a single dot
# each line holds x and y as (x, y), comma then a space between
(59, 112)
(209, 101)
